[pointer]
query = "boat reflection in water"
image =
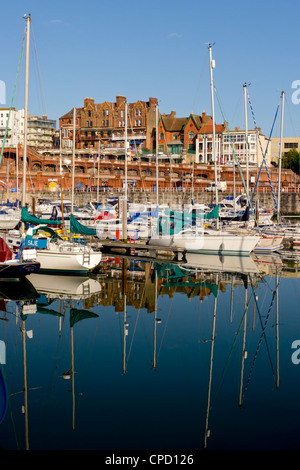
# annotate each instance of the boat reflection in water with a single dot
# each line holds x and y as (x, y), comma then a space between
(193, 346)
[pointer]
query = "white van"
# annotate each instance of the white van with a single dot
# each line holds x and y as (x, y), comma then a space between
(221, 186)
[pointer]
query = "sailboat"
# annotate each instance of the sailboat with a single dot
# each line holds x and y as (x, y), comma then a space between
(54, 255)
(212, 240)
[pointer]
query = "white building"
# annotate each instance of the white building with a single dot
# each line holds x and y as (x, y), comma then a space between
(41, 131)
(11, 124)
(230, 145)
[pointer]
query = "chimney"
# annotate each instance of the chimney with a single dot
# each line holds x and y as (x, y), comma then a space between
(120, 99)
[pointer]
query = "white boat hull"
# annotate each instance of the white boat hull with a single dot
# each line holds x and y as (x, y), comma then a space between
(210, 243)
(68, 262)
(64, 287)
(232, 264)
(8, 223)
(268, 244)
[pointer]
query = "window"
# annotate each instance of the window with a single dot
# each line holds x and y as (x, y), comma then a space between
(107, 112)
(174, 136)
(161, 136)
(91, 123)
(89, 113)
(103, 112)
(191, 135)
(103, 123)
(107, 123)
(87, 123)
(290, 145)
(122, 113)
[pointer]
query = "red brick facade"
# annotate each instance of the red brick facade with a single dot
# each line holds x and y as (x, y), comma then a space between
(176, 135)
(103, 125)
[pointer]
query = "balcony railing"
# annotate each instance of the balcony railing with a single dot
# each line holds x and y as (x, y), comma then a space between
(129, 137)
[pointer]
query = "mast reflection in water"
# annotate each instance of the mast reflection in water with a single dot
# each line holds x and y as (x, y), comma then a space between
(154, 355)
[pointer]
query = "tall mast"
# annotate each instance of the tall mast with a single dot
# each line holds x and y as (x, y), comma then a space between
(73, 161)
(246, 137)
(126, 151)
(156, 147)
(280, 156)
(28, 19)
(211, 67)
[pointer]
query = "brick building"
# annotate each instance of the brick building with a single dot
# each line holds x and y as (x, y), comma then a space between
(102, 125)
(179, 135)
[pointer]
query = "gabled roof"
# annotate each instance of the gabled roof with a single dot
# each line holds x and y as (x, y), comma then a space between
(69, 114)
(207, 128)
(173, 124)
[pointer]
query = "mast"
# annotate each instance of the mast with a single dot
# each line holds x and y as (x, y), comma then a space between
(73, 161)
(213, 337)
(156, 147)
(126, 151)
(246, 136)
(23, 329)
(244, 352)
(211, 67)
(28, 20)
(280, 156)
(98, 170)
(61, 180)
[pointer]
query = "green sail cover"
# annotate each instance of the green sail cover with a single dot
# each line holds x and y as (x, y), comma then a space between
(173, 222)
(213, 214)
(49, 311)
(32, 219)
(77, 227)
(77, 315)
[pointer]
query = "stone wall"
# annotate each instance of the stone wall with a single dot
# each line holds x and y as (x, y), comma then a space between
(290, 202)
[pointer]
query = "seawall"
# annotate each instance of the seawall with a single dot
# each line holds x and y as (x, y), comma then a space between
(289, 202)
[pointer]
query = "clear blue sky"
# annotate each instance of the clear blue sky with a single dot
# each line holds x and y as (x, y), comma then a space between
(139, 49)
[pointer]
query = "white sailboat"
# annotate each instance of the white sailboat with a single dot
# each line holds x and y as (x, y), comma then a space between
(214, 241)
(60, 255)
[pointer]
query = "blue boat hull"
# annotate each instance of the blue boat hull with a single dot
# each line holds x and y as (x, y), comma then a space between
(18, 270)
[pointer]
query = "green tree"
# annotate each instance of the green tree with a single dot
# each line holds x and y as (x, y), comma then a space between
(290, 160)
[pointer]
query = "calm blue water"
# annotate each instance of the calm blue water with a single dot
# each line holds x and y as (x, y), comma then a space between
(177, 380)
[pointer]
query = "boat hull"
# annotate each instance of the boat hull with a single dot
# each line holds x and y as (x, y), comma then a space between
(11, 270)
(64, 287)
(269, 244)
(64, 262)
(219, 243)
(216, 263)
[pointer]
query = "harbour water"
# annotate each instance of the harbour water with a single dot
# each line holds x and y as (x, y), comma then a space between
(153, 355)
